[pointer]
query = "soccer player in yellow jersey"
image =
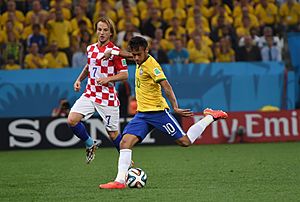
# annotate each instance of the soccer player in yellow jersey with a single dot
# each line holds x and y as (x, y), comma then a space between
(153, 110)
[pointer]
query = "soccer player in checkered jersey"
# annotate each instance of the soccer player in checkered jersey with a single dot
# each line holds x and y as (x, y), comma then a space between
(153, 110)
(100, 94)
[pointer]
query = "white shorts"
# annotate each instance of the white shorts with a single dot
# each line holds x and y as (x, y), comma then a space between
(109, 114)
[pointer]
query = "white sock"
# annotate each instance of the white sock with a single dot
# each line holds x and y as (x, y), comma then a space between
(197, 129)
(124, 163)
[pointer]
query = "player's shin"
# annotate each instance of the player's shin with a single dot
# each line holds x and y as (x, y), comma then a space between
(124, 163)
(80, 131)
(197, 129)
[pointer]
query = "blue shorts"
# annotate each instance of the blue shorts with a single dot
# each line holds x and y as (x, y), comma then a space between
(143, 122)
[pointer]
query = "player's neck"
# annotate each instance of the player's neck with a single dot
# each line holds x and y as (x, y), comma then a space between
(102, 43)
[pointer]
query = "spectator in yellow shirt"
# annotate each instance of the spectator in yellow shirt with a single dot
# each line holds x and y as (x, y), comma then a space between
(59, 30)
(197, 20)
(290, 15)
(221, 12)
(245, 12)
(11, 64)
(176, 27)
(224, 52)
(174, 11)
(266, 13)
(105, 8)
(80, 15)
(128, 17)
(199, 6)
(34, 60)
(200, 53)
(56, 58)
(165, 44)
(37, 15)
(237, 11)
(11, 8)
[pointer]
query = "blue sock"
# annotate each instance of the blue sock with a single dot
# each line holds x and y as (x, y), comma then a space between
(89, 142)
(117, 142)
(80, 131)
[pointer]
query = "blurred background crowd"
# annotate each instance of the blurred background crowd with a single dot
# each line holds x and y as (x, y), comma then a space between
(55, 33)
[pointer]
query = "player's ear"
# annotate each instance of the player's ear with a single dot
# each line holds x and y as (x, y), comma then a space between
(147, 50)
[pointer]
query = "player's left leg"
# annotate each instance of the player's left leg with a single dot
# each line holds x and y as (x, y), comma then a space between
(196, 130)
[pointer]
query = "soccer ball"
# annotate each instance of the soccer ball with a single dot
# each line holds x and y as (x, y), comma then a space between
(136, 178)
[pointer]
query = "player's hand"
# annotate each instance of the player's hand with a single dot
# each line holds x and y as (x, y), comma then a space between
(77, 85)
(183, 112)
(106, 55)
(101, 81)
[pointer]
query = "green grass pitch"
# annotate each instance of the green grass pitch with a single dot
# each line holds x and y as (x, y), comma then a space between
(241, 172)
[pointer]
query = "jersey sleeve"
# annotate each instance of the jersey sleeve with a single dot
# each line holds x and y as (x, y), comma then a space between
(156, 73)
(120, 63)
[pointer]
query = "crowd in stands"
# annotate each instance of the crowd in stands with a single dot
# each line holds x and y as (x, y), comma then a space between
(55, 33)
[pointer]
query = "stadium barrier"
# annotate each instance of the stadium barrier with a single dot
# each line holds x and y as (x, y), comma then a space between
(240, 127)
(235, 86)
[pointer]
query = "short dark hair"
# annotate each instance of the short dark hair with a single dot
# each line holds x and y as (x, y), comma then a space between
(136, 42)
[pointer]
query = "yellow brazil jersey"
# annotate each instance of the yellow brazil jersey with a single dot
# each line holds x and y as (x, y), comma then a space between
(147, 88)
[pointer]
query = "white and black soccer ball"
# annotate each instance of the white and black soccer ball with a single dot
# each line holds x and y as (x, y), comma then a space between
(136, 178)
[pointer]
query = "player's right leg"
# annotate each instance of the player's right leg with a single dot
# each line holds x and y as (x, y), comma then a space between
(135, 131)
(83, 108)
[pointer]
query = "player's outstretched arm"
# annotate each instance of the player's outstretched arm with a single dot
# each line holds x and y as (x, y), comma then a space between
(171, 97)
(121, 53)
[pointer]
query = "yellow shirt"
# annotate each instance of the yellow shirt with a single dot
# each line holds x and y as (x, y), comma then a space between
(59, 32)
(30, 64)
(237, 11)
(142, 5)
(290, 16)
(66, 13)
(192, 3)
(166, 45)
(60, 61)
(179, 32)
(147, 88)
(12, 67)
(225, 57)
(167, 4)
(204, 55)
(121, 24)
(203, 10)
(30, 14)
(206, 41)
(121, 13)
(267, 15)
(243, 31)
(169, 13)
(19, 15)
(190, 24)
(214, 20)
(253, 21)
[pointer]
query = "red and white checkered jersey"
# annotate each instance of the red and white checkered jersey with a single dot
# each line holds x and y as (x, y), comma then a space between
(103, 94)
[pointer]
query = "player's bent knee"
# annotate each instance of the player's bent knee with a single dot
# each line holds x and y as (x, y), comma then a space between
(124, 144)
(72, 120)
